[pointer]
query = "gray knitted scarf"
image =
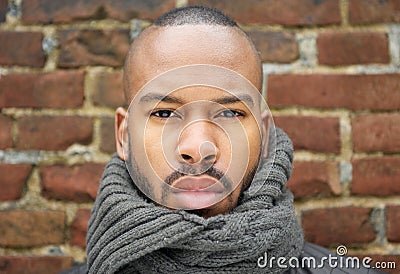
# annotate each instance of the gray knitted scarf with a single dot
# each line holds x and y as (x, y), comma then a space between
(128, 234)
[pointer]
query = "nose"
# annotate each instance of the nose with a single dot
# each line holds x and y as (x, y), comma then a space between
(197, 144)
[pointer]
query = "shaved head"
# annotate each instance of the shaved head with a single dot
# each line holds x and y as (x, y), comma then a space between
(186, 36)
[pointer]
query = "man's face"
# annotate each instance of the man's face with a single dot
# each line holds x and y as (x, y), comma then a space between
(194, 146)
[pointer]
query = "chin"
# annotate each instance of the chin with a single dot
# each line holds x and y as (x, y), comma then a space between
(223, 207)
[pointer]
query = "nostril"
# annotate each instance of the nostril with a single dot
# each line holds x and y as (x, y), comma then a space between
(209, 158)
(186, 157)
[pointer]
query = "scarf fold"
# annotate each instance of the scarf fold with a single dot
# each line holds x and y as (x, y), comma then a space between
(128, 234)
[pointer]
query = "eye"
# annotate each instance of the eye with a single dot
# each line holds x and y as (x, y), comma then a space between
(229, 113)
(164, 113)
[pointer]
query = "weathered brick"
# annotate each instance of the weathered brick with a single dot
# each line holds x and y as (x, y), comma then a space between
(93, 47)
(79, 228)
(107, 135)
(310, 179)
(275, 46)
(356, 92)
(20, 228)
(77, 183)
(393, 223)
(319, 134)
(23, 48)
(347, 48)
(34, 264)
(13, 183)
(53, 132)
(284, 12)
(5, 131)
(3, 10)
(334, 226)
(61, 89)
(378, 176)
(376, 132)
(374, 11)
(48, 11)
(108, 89)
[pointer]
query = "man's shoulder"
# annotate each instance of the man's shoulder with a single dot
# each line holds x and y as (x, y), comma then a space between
(317, 259)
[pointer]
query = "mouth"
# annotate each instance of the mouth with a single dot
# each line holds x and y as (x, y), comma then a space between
(196, 192)
(203, 183)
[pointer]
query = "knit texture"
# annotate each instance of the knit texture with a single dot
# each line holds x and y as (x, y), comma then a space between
(128, 234)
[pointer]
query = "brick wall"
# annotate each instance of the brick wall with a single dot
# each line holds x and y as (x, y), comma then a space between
(332, 71)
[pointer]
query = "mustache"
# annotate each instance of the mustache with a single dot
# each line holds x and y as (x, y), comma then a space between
(190, 171)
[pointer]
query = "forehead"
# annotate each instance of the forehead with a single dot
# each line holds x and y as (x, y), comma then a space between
(160, 49)
(198, 83)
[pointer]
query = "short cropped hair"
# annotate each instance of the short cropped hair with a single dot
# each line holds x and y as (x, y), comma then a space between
(194, 15)
(190, 15)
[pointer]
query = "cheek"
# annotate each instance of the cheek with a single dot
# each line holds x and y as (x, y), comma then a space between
(154, 151)
(254, 139)
(248, 147)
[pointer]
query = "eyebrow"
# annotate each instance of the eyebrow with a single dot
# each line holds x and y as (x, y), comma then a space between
(159, 97)
(221, 100)
(234, 99)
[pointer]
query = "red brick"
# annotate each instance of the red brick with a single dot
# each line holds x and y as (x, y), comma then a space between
(22, 48)
(378, 176)
(376, 132)
(310, 179)
(382, 262)
(393, 223)
(355, 92)
(77, 183)
(107, 135)
(13, 184)
(53, 132)
(93, 47)
(5, 132)
(275, 46)
(19, 228)
(61, 89)
(108, 89)
(319, 134)
(348, 48)
(3, 10)
(335, 226)
(79, 228)
(283, 12)
(34, 264)
(374, 11)
(49, 11)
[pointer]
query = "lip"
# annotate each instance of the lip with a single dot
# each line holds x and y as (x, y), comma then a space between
(196, 199)
(203, 183)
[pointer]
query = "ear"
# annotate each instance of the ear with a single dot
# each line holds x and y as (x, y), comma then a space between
(265, 126)
(121, 133)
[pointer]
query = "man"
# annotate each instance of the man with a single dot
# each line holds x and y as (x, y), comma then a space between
(198, 181)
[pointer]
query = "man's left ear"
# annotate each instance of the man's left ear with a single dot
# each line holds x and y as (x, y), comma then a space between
(265, 126)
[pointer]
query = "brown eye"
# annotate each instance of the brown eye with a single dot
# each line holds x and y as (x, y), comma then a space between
(230, 113)
(165, 113)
